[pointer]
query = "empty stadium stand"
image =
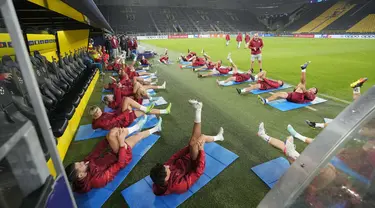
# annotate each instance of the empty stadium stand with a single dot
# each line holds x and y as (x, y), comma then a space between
(133, 20)
(355, 15)
(365, 25)
(327, 17)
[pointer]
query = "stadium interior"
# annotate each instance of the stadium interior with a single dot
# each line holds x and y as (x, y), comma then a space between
(64, 61)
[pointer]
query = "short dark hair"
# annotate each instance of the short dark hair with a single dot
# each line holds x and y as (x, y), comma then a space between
(71, 172)
(316, 90)
(282, 83)
(158, 174)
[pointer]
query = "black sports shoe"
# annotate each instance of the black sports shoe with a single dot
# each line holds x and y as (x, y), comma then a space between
(200, 76)
(358, 83)
(238, 91)
(304, 66)
(260, 70)
(252, 70)
(311, 124)
(193, 69)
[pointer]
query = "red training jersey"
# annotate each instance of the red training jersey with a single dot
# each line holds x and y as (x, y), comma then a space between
(144, 62)
(239, 37)
(258, 44)
(184, 172)
(103, 166)
(227, 37)
(266, 84)
(247, 38)
(109, 121)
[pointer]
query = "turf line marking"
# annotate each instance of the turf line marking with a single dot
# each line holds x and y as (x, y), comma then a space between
(335, 98)
(308, 107)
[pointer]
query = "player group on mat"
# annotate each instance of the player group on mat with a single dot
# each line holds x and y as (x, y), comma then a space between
(130, 121)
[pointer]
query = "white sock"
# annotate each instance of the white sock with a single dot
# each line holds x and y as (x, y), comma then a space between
(230, 60)
(133, 129)
(221, 82)
(295, 134)
(300, 137)
(163, 111)
(319, 125)
(256, 77)
(219, 136)
(356, 90)
(198, 115)
(143, 109)
(153, 83)
(303, 70)
(262, 133)
(154, 129)
(243, 90)
(267, 101)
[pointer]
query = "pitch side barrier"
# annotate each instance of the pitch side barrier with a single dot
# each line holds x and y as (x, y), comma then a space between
(261, 34)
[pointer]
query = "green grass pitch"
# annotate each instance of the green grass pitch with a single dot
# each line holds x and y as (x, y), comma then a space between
(335, 64)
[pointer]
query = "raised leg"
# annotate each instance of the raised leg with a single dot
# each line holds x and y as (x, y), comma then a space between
(133, 140)
(277, 95)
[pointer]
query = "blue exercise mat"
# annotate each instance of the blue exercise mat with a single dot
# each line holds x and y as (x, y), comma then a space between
(148, 76)
(140, 194)
(97, 197)
(285, 105)
(185, 62)
(257, 92)
(224, 75)
(339, 164)
(230, 83)
(270, 172)
(86, 132)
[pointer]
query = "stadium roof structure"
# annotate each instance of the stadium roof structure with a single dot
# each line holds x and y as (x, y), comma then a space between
(34, 17)
(258, 7)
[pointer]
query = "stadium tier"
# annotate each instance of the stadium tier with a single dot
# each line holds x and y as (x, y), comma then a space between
(366, 25)
(172, 20)
(326, 18)
(349, 19)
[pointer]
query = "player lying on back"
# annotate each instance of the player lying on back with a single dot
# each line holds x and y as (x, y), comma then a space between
(195, 62)
(356, 94)
(186, 166)
(188, 57)
(263, 83)
(164, 58)
(210, 65)
(237, 77)
(300, 93)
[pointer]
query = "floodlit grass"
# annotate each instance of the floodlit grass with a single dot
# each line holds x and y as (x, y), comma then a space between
(335, 64)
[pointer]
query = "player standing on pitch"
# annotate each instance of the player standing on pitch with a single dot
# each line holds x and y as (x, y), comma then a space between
(227, 38)
(256, 46)
(239, 39)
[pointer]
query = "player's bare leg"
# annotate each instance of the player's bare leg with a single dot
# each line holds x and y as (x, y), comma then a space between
(278, 95)
(357, 87)
(197, 137)
(209, 74)
(297, 135)
(287, 147)
(248, 89)
(235, 70)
